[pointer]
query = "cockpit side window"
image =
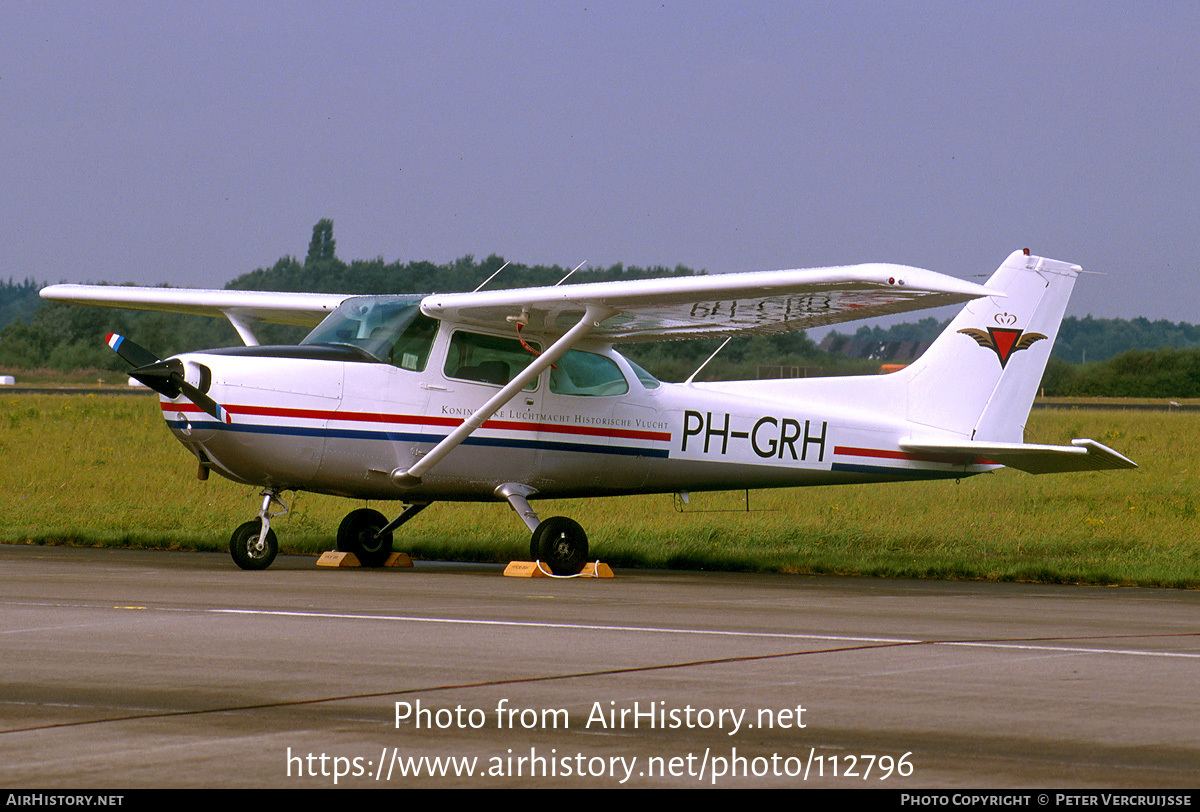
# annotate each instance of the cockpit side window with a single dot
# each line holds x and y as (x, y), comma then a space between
(487, 359)
(411, 350)
(587, 374)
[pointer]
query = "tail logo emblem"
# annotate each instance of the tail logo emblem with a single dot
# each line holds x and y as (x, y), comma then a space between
(1004, 341)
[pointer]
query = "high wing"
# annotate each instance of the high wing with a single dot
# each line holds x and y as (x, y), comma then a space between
(642, 310)
(761, 302)
(243, 308)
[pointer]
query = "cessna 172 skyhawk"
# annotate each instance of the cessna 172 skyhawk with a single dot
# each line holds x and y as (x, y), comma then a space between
(518, 394)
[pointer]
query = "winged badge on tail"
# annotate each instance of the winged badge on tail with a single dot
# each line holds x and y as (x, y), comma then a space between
(1004, 341)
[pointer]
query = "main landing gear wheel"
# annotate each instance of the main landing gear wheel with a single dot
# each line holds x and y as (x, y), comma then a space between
(560, 544)
(249, 550)
(359, 534)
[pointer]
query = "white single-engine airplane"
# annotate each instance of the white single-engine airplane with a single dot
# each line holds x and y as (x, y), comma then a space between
(518, 395)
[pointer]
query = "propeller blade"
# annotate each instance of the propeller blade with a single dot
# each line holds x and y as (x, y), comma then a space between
(204, 402)
(135, 354)
(164, 377)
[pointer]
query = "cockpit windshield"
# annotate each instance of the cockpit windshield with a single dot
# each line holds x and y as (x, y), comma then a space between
(390, 328)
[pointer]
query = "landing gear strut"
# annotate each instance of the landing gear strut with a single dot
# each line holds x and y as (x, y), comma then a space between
(558, 542)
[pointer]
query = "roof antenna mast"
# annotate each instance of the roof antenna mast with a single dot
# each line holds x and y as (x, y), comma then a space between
(493, 276)
(692, 377)
(568, 276)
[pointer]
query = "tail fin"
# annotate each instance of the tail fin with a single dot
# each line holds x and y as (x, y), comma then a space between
(979, 378)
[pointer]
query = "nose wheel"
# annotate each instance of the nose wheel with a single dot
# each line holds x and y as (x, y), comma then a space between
(251, 548)
(253, 545)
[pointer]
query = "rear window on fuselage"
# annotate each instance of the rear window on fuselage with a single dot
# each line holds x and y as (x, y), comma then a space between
(586, 374)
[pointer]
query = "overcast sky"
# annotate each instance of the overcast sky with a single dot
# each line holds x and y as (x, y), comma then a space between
(192, 142)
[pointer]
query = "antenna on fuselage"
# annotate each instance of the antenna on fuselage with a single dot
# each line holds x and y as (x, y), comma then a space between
(706, 360)
(568, 276)
(493, 276)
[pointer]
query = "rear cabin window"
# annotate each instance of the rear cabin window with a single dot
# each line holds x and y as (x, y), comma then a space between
(587, 374)
(645, 378)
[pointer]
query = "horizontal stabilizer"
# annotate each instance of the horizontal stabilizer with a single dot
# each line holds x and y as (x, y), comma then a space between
(1081, 455)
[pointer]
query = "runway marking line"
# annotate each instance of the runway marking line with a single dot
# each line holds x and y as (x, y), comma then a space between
(866, 644)
(1001, 644)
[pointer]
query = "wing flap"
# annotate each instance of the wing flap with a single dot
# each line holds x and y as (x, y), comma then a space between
(1081, 455)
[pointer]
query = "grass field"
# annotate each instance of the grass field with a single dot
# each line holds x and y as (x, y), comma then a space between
(104, 471)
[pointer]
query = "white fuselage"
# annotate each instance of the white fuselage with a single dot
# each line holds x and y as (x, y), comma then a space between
(343, 426)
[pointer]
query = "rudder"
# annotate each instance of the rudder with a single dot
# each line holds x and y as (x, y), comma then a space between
(979, 378)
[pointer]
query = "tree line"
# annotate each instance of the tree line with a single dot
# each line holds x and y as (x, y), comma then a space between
(1135, 357)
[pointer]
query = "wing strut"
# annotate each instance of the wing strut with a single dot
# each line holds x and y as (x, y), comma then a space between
(244, 325)
(592, 318)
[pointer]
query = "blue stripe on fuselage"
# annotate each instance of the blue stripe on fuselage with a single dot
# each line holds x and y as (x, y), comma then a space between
(897, 472)
(412, 437)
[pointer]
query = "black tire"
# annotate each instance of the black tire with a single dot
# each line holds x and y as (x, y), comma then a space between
(358, 534)
(560, 544)
(243, 546)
